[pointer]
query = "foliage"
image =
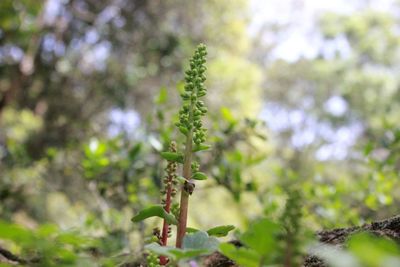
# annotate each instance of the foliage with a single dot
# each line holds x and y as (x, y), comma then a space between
(267, 243)
(156, 210)
(362, 250)
(259, 243)
(52, 246)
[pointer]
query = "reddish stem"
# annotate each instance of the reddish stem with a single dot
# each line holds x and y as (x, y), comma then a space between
(164, 235)
(167, 207)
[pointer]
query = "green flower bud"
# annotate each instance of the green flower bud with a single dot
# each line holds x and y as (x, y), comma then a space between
(185, 96)
(183, 130)
(200, 103)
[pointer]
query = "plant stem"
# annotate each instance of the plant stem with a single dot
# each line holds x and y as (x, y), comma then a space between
(184, 203)
(165, 230)
(164, 236)
(169, 191)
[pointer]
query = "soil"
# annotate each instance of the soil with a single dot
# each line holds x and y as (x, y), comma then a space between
(389, 228)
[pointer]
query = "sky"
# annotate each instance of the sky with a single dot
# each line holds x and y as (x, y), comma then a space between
(300, 39)
(299, 16)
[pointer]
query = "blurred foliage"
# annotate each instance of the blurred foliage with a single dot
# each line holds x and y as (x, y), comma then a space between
(341, 153)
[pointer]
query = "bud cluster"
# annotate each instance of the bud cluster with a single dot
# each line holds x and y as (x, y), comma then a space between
(153, 260)
(170, 180)
(195, 166)
(193, 108)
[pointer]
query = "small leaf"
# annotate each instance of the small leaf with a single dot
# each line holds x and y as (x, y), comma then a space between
(261, 236)
(198, 148)
(227, 115)
(242, 256)
(134, 151)
(199, 176)
(368, 148)
(220, 231)
(256, 159)
(154, 211)
(172, 156)
(162, 96)
(181, 179)
(191, 230)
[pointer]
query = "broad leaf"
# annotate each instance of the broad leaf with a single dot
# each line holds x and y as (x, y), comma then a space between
(181, 179)
(191, 230)
(172, 156)
(199, 176)
(243, 256)
(261, 236)
(154, 211)
(198, 148)
(220, 231)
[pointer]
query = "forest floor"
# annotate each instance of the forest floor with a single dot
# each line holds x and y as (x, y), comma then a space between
(388, 228)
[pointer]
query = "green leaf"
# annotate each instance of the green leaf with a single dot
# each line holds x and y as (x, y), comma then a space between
(162, 96)
(47, 230)
(220, 231)
(242, 256)
(66, 256)
(155, 211)
(368, 148)
(172, 156)
(134, 151)
(191, 230)
(227, 115)
(256, 159)
(372, 250)
(261, 236)
(15, 233)
(181, 179)
(198, 148)
(72, 238)
(200, 240)
(199, 176)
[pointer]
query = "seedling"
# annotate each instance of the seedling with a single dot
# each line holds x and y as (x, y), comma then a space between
(191, 127)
